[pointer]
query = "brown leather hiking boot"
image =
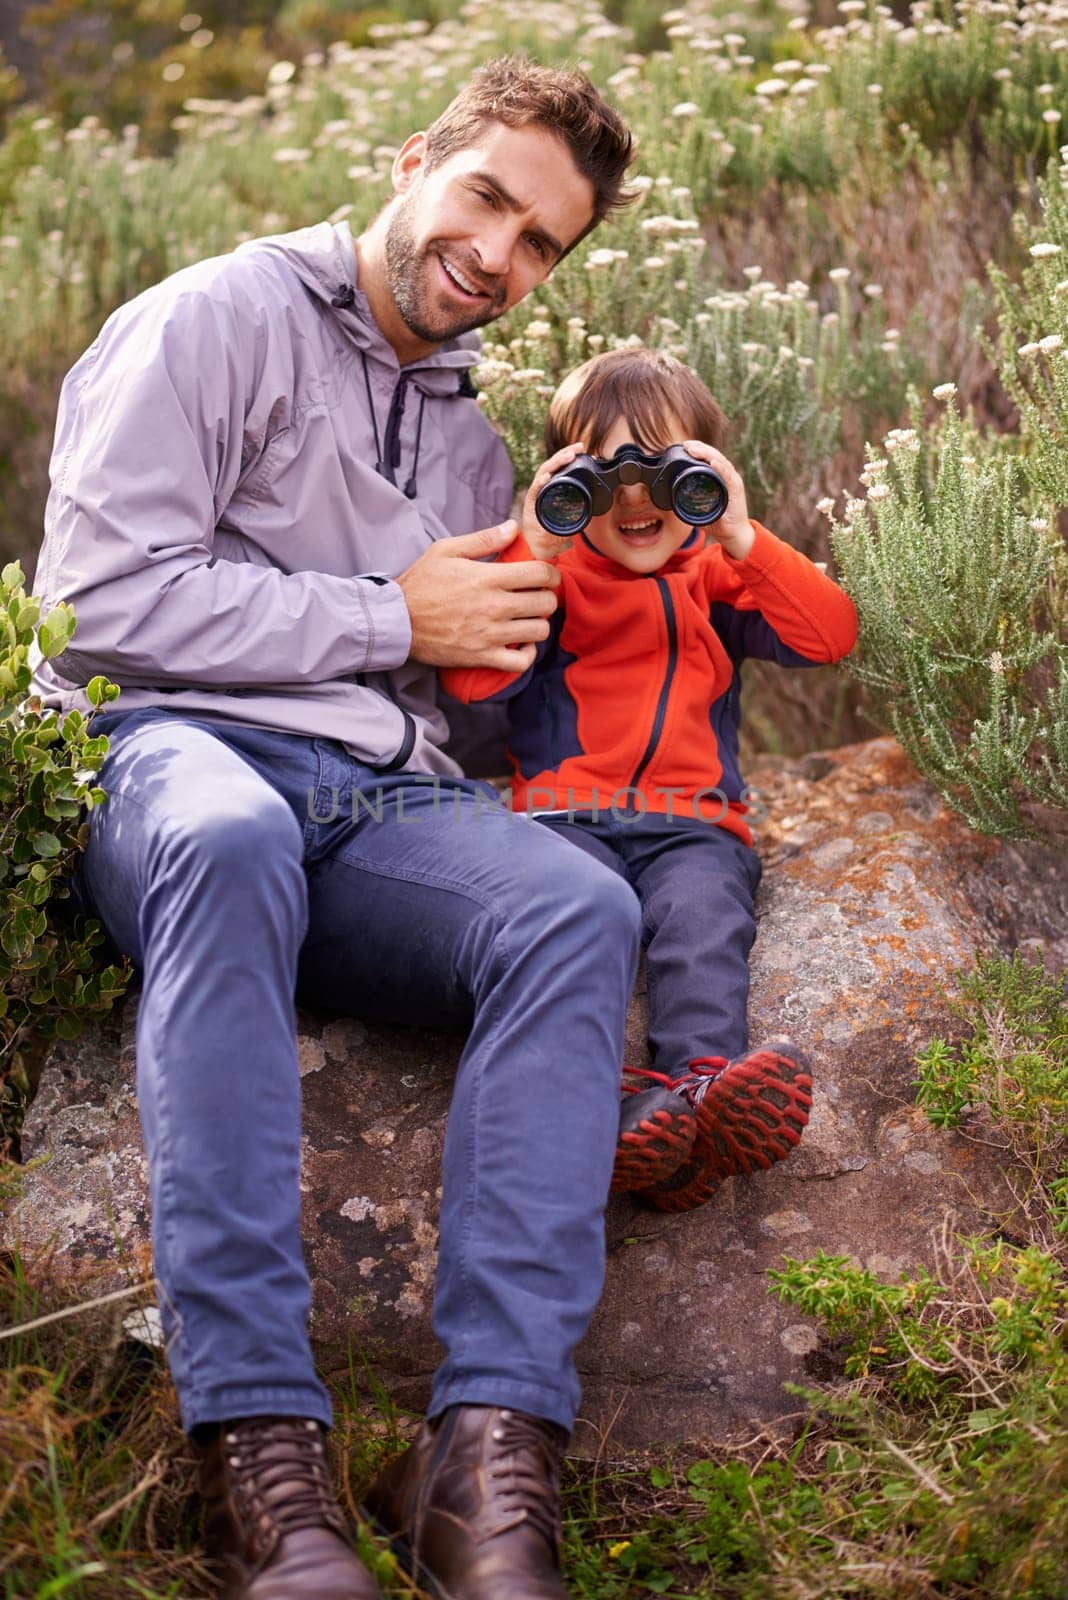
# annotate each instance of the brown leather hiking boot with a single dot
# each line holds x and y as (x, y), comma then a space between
(273, 1528)
(473, 1507)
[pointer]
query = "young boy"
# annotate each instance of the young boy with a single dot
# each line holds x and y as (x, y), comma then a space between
(624, 739)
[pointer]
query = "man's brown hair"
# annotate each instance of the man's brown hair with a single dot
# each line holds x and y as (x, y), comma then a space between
(644, 386)
(517, 91)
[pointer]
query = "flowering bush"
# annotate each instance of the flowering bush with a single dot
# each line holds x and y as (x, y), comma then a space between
(962, 593)
(816, 211)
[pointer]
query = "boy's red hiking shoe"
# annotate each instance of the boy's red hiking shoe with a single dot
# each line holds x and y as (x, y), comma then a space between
(657, 1130)
(750, 1113)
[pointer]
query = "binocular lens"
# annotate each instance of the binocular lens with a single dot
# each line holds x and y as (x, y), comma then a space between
(699, 496)
(564, 506)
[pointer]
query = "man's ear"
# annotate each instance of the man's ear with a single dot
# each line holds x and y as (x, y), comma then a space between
(408, 161)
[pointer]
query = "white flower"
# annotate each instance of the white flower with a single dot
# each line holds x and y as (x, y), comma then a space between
(752, 273)
(595, 341)
(666, 225)
(997, 663)
(488, 372)
(803, 86)
(1052, 341)
(1041, 251)
(838, 274)
(287, 156)
(875, 89)
(873, 290)
(686, 108)
(281, 72)
(528, 374)
(1029, 349)
(1040, 524)
(1003, 75)
(825, 507)
(771, 87)
(902, 439)
(654, 263)
(576, 322)
(1051, 116)
(878, 491)
(944, 391)
(599, 258)
(538, 330)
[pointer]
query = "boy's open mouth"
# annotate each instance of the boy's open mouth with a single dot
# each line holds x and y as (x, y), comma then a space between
(643, 530)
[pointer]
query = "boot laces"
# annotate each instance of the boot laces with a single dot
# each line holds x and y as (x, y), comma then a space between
(526, 1473)
(279, 1470)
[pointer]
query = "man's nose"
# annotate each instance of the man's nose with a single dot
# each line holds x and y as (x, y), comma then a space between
(494, 247)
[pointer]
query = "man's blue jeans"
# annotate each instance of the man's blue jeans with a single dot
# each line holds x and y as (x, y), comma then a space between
(238, 867)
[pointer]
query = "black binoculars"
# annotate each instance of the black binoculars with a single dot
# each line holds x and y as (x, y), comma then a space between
(692, 490)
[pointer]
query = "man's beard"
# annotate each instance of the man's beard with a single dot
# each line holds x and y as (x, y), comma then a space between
(412, 282)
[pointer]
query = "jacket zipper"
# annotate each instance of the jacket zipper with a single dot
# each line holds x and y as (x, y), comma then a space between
(549, 705)
(665, 688)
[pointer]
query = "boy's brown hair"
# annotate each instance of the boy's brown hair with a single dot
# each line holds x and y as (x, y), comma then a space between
(517, 91)
(644, 386)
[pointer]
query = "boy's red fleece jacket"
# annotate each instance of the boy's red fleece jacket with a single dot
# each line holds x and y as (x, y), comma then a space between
(637, 686)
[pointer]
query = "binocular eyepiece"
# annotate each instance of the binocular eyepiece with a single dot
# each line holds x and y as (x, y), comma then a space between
(690, 489)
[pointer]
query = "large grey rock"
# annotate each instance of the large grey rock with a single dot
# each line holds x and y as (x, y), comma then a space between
(873, 894)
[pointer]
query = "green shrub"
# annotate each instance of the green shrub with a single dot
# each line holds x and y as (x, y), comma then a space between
(1014, 1067)
(961, 590)
(50, 981)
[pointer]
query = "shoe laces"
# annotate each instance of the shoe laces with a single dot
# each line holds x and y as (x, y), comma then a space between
(526, 1472)
(703, 1072)
(278, 1469)
(645, 1076)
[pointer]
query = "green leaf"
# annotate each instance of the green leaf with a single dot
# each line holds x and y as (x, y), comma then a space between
(46, 844)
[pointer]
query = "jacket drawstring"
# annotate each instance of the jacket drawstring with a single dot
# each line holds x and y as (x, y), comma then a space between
(379, 465)
(409, 487)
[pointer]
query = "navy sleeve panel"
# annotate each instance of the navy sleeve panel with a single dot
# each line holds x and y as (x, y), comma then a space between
(749, 634)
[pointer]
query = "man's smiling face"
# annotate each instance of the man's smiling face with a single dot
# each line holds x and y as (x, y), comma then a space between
(465, 242)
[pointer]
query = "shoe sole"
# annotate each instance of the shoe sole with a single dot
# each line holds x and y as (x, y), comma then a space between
(655, 1147)
(749, 1117)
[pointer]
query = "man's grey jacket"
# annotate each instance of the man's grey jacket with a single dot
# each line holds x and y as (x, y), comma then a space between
(240, 470)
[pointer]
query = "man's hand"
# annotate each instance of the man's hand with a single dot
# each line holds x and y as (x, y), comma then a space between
(733, 530)
(468, 612)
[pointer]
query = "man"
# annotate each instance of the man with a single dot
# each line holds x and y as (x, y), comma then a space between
(266, 475)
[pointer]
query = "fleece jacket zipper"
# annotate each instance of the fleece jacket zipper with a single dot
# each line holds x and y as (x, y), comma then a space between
(665, 688)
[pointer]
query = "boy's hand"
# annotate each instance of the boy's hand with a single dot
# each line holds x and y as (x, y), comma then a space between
(543, 544)
(733, 530)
